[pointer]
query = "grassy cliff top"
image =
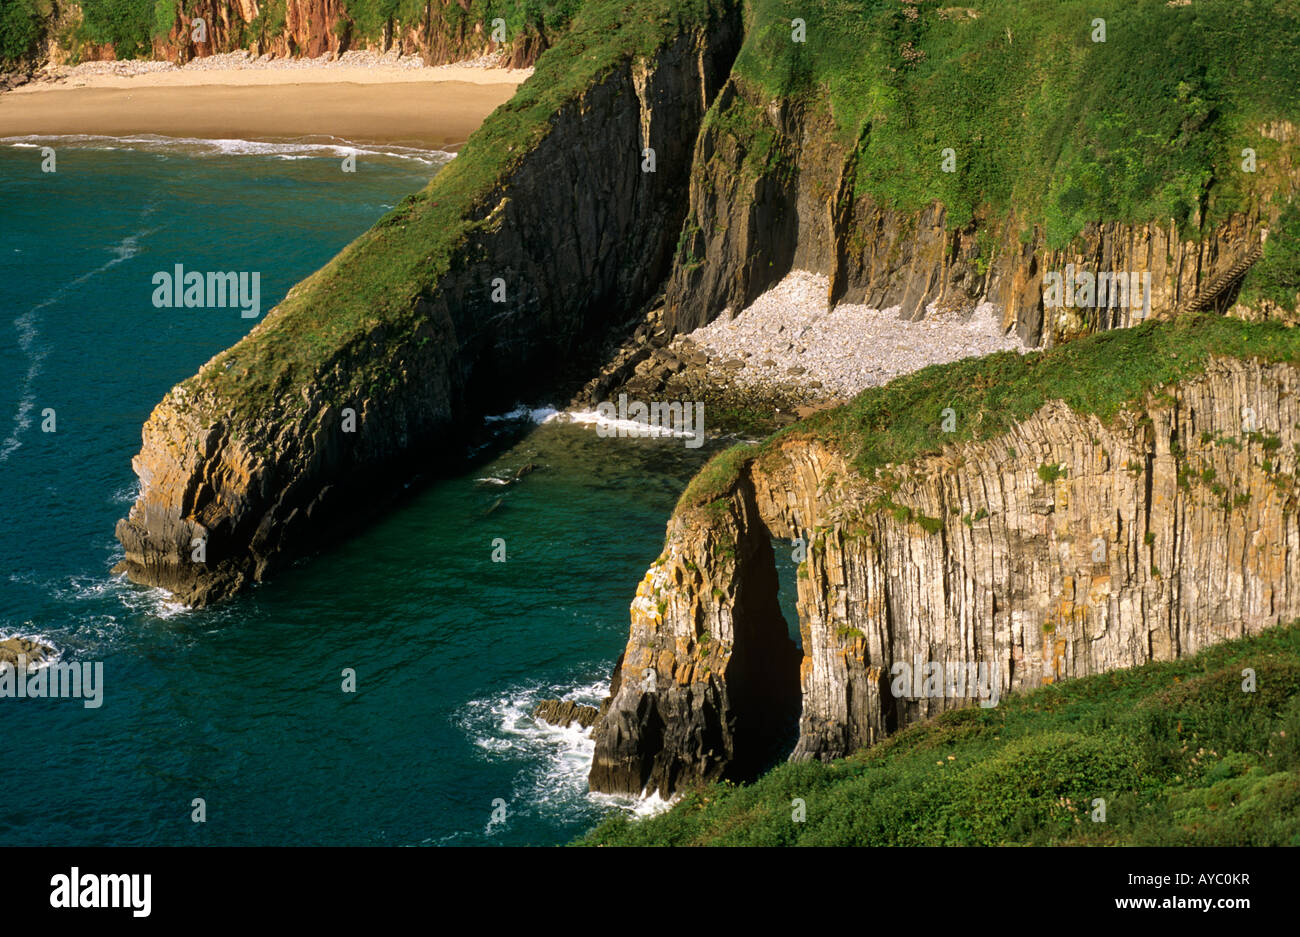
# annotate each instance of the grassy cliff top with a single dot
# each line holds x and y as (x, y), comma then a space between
(371, 287)
(1045, 124)
(1147, 125)
(1098, 375)
(1180, 753)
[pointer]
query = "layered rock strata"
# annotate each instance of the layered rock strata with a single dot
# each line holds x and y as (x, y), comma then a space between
(564, 713)
(1065, 547)
(749, 225)
(230, 491)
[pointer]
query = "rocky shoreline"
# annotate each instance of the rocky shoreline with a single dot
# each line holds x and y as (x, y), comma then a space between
(788, 354)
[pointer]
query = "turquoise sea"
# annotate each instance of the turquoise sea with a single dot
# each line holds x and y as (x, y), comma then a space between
(242, 704)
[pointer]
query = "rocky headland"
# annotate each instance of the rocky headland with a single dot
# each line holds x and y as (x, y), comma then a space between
(1063, 543)
(690, 204)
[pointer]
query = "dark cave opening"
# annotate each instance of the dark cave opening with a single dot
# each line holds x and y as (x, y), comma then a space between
(763, 679)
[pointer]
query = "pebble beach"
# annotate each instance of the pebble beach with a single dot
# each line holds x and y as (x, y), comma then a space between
(788, 337)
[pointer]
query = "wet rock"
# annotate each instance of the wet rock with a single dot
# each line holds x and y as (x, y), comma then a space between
(262, 473)
(33, 652)
(564, 713)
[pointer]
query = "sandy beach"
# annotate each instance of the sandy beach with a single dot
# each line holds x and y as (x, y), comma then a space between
(380, 100)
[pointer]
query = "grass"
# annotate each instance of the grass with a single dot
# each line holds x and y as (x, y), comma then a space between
(130, 26)
(1179, 752)
(1046, 123)
(1098, 375)
(367, 294)
(1276, 275)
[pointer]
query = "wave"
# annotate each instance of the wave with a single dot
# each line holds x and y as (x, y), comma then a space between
(554, 782)
(629, 428)
(27, 325)
(199, 146)
(536, 415)
(133, 598)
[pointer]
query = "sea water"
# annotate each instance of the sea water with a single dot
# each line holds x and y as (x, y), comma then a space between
(237, 714)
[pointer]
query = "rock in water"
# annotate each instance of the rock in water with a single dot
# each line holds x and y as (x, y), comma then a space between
(11, 648)
(564, 713)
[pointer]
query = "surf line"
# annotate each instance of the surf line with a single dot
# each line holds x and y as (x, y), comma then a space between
(29, 332)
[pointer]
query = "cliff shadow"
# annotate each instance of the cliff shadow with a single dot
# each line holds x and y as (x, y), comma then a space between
(763, 678)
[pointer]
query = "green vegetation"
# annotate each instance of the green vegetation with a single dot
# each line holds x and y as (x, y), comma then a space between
(22, 24)
(1049, 474)
(1147, 125)
(1180, 753)
(367, 293)
(714, 481)
(1101, 374)
(131, 25)
(1276, 275)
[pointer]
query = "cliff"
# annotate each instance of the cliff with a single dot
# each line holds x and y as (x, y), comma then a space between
(441, 31)
(926, 156)
(1176, 753)
(828, 151)
(1123, 499)
(805, 208)
(369, 369)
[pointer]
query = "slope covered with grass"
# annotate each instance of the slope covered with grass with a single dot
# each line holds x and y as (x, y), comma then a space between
(1180, 752)
(1099, 375)
(1063, 111)
(372, 286)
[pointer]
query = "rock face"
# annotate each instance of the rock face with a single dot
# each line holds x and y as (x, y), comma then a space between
(246, 466)
(1065, 547)
(229, 492)
(747, 227)
(564, 713)
(707, 642)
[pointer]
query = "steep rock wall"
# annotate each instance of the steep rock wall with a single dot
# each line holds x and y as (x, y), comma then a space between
(258, 485)
(1062, 548)
(773, 189)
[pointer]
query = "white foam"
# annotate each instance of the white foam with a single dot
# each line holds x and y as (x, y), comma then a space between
(127, 495)
(629, 428)
(538, 415)
(199, 146)
(503, 728)
(27, 325)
